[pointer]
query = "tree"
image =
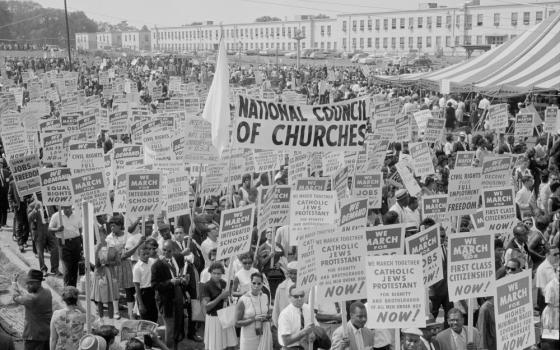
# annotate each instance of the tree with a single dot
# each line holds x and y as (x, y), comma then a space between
(268, 19)
(144, 28)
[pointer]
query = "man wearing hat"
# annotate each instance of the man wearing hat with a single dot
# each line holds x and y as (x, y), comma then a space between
(282, 297)
(427, 340)
(461, 144)
(411, 339)
(402, 198)
(38, 311)
(92, 342)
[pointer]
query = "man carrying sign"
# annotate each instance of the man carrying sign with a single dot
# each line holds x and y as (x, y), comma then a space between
(356, 335)
(67, 226)
(455, 337)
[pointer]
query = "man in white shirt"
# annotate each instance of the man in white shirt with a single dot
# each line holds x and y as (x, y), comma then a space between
(524, 197)
(211, 242)
(545, 273)
(402, 202)
(142, 277)
(282, 297)
(295, 324)
(67, 227)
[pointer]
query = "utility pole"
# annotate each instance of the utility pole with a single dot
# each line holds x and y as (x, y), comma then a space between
(298, 37)
(68, 36)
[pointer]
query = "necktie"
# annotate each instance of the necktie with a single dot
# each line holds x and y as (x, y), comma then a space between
(301, 319)
(172, 267)
(359, 339)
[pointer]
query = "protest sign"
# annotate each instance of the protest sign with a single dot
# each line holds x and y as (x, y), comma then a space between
(15, 143)
(236, 228)
(376, 154)
(463, 189)
(91, 188)
(395, 293)
(421, 159)
(198, 141)
(402, 126)
(313, 183)
(368, 185)
(340, 255)
(408, 179)
(53, 151)
(311, 208)
(385, 239)
(499, 210)
(496, 171)
(85, 157)
(119, 196)
(551, 119)
(513, 309)
(464, 159)
(306, 251)
(157, 147)
(477, 219)
(498, 116)
(25, 172)
(350, 160)
(118, 123)
(143, 196)
(279, 208)
(434, 130)
(88, 124)
(215, 179)
(69, 122)
(427, 244)
(435, 207)
(470, 265)
(331, 162)
(55, 186)
(178, 194)
(340, 183)
(524, 123)
(265, 161)
(276, 125)
(298, 167)
(421, 117)
(385, 127)
(123, 153)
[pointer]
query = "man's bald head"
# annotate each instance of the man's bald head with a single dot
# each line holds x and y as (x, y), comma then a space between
(168, 249)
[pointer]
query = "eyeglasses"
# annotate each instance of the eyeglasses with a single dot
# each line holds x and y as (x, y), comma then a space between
(299, 296)
(257, 283)
(511, 268)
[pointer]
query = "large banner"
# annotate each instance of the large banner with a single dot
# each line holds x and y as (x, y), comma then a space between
(463, 189)
(470, 265)
(427, 244)
(395, 293)
(55, 186)
(275, 125)
(385, 239)
(236, 228)
(340, 255)
(513, 309)
(499, 210)
(311, 209)
(368, 185)
(143, 195)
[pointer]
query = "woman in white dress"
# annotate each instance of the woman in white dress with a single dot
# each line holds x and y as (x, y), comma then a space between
(253, 316)
(242, 280)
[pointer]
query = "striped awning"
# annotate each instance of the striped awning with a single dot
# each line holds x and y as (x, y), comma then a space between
(529, 62)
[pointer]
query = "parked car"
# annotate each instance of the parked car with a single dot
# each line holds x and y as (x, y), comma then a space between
(421, 62)
(318, 55)
(291, 54)
(251, 52)
(370, 59)
(357, 56)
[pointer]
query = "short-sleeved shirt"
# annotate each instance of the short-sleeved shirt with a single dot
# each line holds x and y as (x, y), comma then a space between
(212, 291)
(142, 273)
(72, 225)
(69, 326)
(38, 314)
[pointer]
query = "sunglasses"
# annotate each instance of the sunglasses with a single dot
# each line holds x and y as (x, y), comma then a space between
(299, 296)
(511, 268)
(257, 283)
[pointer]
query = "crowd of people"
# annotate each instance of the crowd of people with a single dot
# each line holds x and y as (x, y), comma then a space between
(164, 270)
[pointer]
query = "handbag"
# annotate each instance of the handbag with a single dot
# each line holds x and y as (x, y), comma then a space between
(228, 316)
(197, 311)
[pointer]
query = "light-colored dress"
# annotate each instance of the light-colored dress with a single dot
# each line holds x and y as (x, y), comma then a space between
(69, 326)
(551, 313)
(123, 267)
(105, 287)
(255, 305)
(244, 278)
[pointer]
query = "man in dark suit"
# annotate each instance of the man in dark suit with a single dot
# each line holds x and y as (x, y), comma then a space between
(168, 282)
(427, 340)
(461, 144)
(455, 337)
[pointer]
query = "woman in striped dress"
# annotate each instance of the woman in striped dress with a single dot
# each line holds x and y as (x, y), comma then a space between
(105, 289)
(123, 268)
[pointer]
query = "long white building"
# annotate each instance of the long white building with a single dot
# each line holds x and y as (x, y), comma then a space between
(430, 29)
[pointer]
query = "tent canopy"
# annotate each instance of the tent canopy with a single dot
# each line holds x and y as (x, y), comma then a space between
(529, 62)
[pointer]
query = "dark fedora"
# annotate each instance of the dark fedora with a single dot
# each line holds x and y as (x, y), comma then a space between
(34, 276)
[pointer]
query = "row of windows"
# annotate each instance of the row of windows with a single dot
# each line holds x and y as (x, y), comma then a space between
(232, 33)
(400, 23)
(246, 46)
(428, 41)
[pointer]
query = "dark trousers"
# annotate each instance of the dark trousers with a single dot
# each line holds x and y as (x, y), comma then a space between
(3, 217)
(71, 253)
(441, 300)
(36, 344)
(46, 240)
(21, 225)
(148, 296)
(191, 327)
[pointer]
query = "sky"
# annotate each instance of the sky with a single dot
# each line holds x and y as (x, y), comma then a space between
(165, 13)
